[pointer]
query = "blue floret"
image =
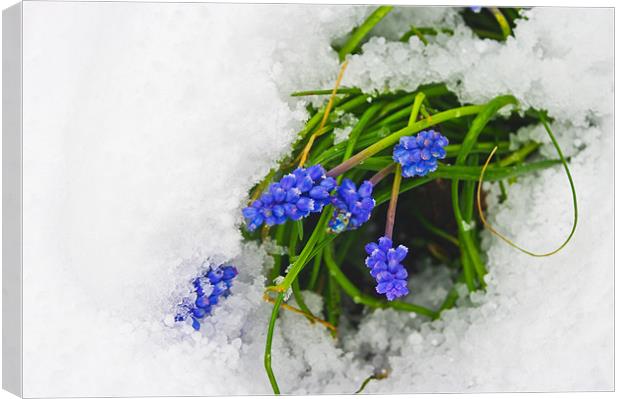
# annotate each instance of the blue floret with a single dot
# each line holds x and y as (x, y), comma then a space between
(418, 154)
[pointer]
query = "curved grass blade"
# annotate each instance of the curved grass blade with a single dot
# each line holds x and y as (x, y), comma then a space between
(573, 193)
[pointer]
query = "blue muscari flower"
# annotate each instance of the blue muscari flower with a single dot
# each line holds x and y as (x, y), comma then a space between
(213, 284)
(353, 206)
(294, 197)
(418, 154)
(476, 9)
(385, 266)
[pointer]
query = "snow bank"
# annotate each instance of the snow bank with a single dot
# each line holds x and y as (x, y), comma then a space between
(544, 323)
(146, 124)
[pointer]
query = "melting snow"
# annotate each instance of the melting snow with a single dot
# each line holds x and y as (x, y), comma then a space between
(165, 115)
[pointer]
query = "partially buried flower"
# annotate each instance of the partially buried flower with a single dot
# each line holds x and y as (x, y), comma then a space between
(212, 285)
(294, 197)
(418, 154)
(385, 266)
(353, 206)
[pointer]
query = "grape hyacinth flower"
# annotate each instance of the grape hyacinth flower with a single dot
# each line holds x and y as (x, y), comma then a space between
(294, 197)
(476, 9)
(353, 206)
(212, 285)
(385, 266)
(418, 154)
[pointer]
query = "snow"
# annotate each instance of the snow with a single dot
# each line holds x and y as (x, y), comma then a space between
(146, 124)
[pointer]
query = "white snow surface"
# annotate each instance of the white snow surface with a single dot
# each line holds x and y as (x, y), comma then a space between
(146, 124)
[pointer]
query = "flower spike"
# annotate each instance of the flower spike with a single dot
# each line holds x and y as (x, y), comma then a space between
(418, 154)
(295, 196)
(385, 266)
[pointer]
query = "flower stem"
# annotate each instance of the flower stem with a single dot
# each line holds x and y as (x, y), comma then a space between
(391, 215)
(409, 130)
(380, 175)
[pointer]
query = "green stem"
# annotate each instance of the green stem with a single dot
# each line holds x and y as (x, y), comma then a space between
(361, 31)
(267, 358)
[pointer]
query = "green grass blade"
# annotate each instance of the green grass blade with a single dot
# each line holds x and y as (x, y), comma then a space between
(361, 31)
(267, 356)
(468, 247)
(300, 300)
